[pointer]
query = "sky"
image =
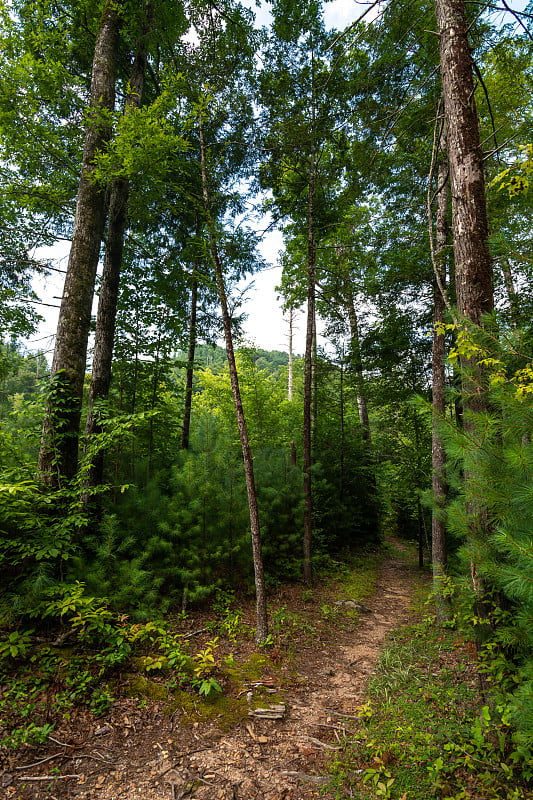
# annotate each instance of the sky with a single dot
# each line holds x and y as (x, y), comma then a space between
(265, 326)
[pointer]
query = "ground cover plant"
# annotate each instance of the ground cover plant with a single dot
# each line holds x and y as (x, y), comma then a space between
(427, 730)
(78, 650)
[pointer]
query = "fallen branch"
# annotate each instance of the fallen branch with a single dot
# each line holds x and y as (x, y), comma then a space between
(45, 777)
(304, 777)
(275, 711)
(320, 744)
(192, 633)
(42, 761)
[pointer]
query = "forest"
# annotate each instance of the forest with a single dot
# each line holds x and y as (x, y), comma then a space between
(155, 462)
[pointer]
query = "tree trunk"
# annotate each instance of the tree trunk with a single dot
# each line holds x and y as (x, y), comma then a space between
(308, 381)
(153, 403)
(512, 296)
(290, 375)
(473, 265)
(191, 351)
(58, 457)
(355, 353)
(108, 300)
(261, 632)
(438, 454)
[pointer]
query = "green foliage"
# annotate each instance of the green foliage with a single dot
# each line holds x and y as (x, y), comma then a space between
(41, 530)
(424, 734)
(345, 498)
(55, 679)
(516, 179)
(16, 645)
(144, 142)
(36, 538)
(230, 623)
(491, 516)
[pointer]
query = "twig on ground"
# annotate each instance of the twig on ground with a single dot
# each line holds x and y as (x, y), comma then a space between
(325, 745)
(192, 633)
(42, 761)
(45, 777)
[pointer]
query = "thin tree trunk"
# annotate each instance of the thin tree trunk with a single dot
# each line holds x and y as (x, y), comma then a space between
(290, 376)
(438, 454)
(418, 476)
(153, 403)
(293, 454)
(189, 375)
(308, 381)
(342, 430)
(58, 457)
(355, 352)
(261, 632)
(512, 296)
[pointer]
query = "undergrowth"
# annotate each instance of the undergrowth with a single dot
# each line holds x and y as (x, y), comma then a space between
(425, 733)
(42, 683)
(77, 648)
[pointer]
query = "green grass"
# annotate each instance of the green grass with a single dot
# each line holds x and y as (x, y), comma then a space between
(423, 733)
(359, 579)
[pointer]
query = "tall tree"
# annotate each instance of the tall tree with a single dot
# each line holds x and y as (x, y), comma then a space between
(107, 303)
(438, 454)
(255, 526)
(301, 105)
(473, 264)
(58, 457)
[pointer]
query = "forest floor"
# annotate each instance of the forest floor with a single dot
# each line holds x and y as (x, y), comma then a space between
(163, 744)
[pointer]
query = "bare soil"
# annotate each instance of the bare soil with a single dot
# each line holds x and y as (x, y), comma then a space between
(146, 748)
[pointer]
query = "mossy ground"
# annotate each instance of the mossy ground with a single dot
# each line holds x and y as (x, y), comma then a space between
(226, 711)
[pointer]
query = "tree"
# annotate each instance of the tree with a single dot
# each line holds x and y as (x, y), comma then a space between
(58, 458)
(108, 299)
(260, 593)
(438, 454)
(301, 106)
(473, 264)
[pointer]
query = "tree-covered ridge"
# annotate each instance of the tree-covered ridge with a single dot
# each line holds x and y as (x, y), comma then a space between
(395, 158)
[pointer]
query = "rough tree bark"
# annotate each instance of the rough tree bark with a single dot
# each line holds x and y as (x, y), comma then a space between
(261, 632)
(108, 300)
(473, 264)
(58, 457)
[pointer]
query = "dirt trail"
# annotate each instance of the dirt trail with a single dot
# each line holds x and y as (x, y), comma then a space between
(144, 753)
